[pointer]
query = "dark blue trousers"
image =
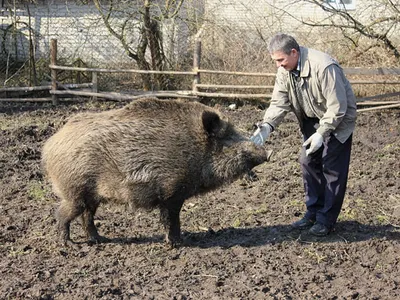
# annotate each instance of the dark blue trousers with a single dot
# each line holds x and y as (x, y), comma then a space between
(325, 174)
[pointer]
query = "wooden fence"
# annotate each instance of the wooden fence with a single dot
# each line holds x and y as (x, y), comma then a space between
(198, 88)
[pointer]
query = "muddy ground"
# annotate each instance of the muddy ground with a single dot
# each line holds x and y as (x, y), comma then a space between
(238, 243)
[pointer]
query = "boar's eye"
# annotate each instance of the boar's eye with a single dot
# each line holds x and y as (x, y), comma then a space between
(211, 122)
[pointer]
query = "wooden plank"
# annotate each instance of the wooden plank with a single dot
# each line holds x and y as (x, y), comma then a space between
(26, 88)
(374, 82)
(125, 97)
(366, 103)
(95, 84)
(225, 95)
(372, 71)
(379, 107)
(378, 97)
(25, 99)
(237, 73)
(45, 87)
(349, 71)
(221, 86)
(53, 60)
(196, 65)
(55, 67)
(189, 94)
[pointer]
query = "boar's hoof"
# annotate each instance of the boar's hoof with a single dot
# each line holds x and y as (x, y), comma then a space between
(173, 242)
(69, 244)
(249, 177)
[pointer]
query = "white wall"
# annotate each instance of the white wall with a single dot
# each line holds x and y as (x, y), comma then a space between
(81, 32)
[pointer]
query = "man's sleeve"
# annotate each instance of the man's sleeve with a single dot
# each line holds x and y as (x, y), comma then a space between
(280, 104)
(334, 91)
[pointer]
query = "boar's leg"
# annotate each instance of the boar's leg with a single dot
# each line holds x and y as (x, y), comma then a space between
(169, 213)
(88, 224)
(67, 211)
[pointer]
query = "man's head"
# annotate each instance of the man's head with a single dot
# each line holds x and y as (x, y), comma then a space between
(285, 51)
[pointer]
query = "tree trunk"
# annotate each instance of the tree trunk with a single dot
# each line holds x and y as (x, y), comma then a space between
(153, 35)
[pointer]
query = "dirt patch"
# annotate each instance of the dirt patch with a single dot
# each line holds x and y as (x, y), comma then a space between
(238, 243)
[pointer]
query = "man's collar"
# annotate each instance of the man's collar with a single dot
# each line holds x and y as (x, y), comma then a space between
(305, 63)
(296, 72)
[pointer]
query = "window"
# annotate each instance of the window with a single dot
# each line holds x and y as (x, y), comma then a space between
(342, 4)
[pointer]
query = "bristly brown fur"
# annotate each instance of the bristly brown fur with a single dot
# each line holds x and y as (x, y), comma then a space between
(151, 153)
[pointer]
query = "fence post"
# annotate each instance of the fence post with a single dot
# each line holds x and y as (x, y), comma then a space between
(53, 62)
(95, 87)
(196, 65)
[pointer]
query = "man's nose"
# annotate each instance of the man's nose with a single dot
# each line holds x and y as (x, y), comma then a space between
(278, 64)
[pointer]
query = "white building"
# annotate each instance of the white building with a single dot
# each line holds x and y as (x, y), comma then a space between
(81, 32)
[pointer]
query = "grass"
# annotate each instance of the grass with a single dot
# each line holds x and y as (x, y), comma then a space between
(8, 123)
(314, 255)
(14, 252)
(14, 122)
(37, 191)
(249, 216)
(236, 223)
(347, 214)
(296, 203)
(352, 209)
(261, 210)
(382, 219)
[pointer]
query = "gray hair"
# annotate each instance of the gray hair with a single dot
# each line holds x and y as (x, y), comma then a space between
(282, 42)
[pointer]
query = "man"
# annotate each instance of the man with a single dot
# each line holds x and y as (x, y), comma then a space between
(313, 86)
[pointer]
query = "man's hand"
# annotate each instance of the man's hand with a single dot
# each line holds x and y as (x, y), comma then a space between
(316, 142)
(261, 134)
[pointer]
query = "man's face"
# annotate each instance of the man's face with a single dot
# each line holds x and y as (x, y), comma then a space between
(288, 62)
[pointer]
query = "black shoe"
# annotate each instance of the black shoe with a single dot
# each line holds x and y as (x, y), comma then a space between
(303, 223)
(319, 230)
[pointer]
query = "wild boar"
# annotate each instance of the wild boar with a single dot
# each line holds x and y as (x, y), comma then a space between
(151, 154)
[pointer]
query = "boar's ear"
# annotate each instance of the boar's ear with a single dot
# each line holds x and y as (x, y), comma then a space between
(211, 122)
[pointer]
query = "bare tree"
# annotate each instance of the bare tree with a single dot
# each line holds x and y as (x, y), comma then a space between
(14, 41)
(377, 20)
(137, 25)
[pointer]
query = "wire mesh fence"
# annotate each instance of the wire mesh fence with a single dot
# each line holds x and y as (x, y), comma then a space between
(86, 41)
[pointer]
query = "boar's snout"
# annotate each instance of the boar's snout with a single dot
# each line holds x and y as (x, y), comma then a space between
(260, 152)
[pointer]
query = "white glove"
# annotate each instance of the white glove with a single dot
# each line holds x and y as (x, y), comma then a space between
(316, 142)
(261, 134)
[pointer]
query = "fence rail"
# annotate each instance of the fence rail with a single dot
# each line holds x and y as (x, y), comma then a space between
(199, 89)
(97, 70)
(46, 87)
(371, 71)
